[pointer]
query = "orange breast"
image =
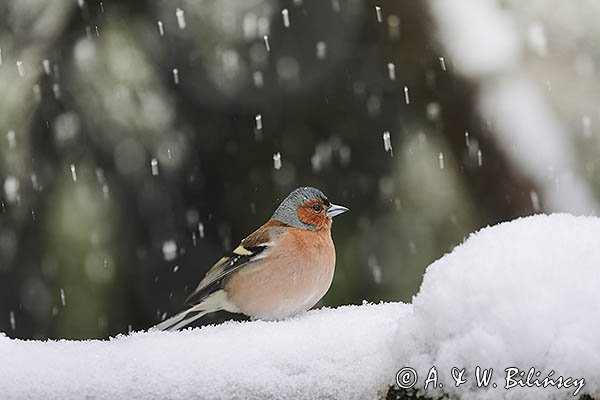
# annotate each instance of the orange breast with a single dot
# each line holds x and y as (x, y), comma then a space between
(293, 276)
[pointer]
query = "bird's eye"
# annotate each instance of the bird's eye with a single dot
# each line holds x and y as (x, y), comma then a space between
(317, 208)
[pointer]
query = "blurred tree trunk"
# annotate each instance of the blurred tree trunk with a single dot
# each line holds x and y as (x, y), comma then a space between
(500, 191)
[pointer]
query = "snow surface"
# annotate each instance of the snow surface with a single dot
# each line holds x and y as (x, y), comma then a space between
(341, 354)
(520, 294)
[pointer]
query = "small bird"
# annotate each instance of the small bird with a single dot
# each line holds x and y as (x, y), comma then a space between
(281, 269)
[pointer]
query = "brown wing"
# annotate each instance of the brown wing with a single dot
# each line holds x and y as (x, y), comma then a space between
(248, 251)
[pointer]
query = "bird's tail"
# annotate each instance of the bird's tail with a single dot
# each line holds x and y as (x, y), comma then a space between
(213, 302)
(183, 319)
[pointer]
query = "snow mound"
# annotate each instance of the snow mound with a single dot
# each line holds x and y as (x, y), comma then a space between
(324, 353)
(520, 294)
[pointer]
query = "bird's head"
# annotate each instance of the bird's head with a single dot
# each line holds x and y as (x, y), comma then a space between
(307, 208)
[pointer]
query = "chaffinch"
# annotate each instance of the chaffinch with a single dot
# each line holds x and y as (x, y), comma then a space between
(284, 267)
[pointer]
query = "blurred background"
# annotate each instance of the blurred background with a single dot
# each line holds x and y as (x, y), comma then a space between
(139, 140)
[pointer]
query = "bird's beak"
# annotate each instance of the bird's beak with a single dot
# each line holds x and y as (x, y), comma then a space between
(334, 210)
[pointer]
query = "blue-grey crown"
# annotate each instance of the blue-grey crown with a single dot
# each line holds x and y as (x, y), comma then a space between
(287, 210)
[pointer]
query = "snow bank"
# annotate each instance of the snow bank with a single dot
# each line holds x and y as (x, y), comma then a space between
(340, 354)
(520, 294)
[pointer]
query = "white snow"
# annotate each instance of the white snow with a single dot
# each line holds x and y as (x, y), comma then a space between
(520, 294)
(277, 160)
(169, 250)
(285, 14)
(154, 166)
(11, 189)
(387, 142)
(321, 50)
(391, 71)
(180, 14)
(327, 353)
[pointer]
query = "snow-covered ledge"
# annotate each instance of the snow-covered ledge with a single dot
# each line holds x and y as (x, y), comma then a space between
(338, 353)
(521, 294)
